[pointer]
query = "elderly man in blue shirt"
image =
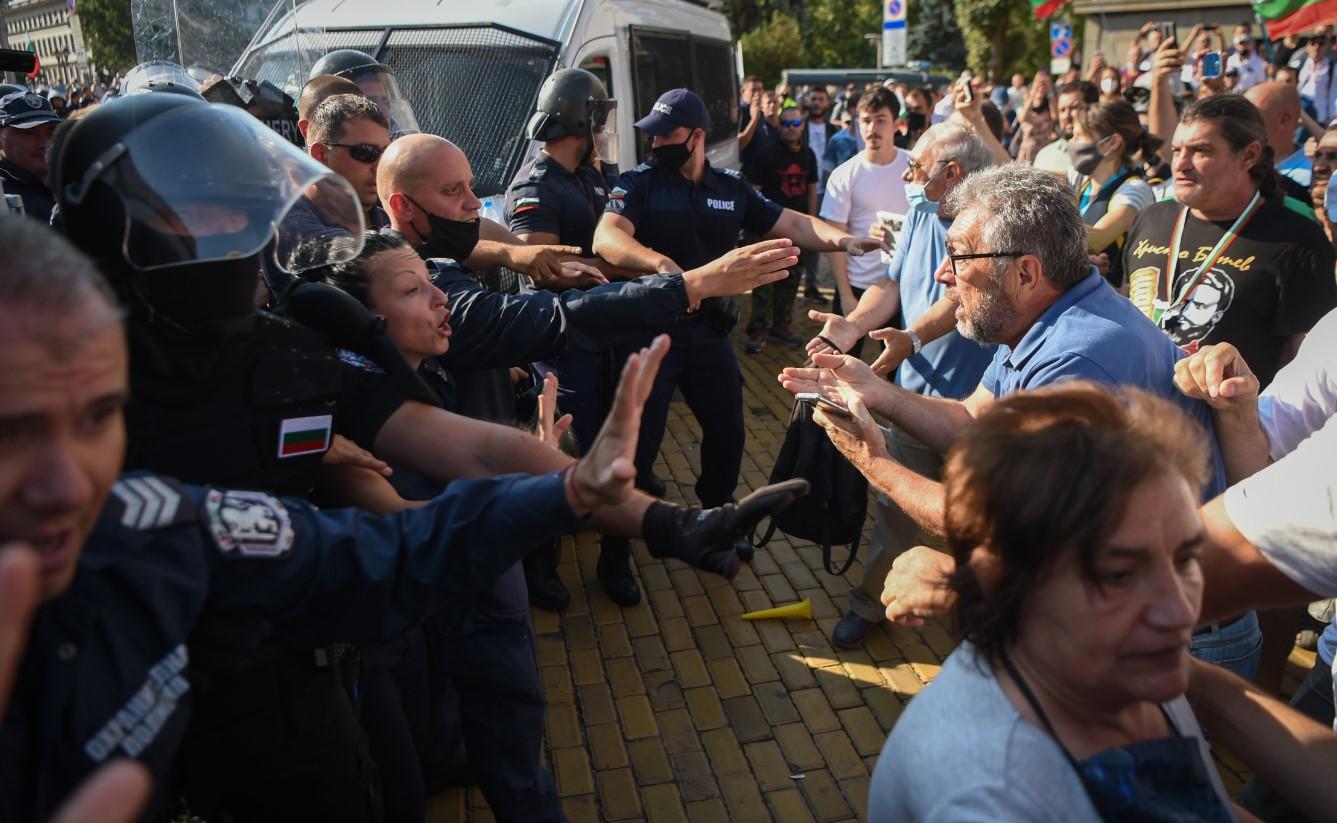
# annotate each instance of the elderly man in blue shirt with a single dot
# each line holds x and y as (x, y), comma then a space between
(1017, 261)
(948, 366)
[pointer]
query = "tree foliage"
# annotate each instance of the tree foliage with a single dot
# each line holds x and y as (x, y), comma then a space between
(834, 32)
(773, 47)
(109, 33)
(1003, 36)
(934, 36)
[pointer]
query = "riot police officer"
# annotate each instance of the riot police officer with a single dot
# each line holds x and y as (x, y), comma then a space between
(225, 394)
(678, 211)
(557, 198)
(377, 82)
(27, 123)
(142, 577)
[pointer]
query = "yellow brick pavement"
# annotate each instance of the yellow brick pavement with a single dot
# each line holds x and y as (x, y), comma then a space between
(679, 710)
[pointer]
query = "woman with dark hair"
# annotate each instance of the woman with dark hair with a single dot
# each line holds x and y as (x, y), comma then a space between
(1108, 150)
(1072, 514)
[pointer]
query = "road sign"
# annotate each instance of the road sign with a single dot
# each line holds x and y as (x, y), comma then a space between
(893, 31)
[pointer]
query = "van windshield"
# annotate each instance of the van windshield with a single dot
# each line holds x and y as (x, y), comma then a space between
(474, 85)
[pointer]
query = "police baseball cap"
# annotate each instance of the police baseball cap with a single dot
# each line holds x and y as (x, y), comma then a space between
(675, 109)
(23, 110)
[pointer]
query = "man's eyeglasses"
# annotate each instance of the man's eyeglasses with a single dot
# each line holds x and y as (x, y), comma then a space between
(361, 152)
(791, 123)
(917, 167)
(983, 255)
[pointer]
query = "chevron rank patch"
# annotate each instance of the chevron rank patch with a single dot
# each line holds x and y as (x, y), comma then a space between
(252, 524)
(147, 502)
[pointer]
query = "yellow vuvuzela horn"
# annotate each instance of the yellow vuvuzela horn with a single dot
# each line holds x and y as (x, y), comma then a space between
(803, 608)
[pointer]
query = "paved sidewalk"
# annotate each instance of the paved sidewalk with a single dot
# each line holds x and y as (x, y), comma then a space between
(679, 710)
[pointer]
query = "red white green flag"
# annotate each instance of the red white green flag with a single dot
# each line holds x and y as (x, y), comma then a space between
(1046, 8)
(32, 47)
(1286, 17)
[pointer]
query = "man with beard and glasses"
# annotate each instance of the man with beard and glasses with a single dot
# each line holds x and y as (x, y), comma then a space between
(1018, 263)
(679, 212)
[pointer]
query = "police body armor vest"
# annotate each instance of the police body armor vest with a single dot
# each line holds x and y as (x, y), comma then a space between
(216, 415)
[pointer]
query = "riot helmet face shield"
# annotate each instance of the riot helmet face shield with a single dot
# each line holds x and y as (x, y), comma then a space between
(226, 203)
(379, 85)
(158, 75)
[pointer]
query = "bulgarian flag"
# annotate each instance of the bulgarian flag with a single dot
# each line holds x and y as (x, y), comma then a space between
(1046, 8)
(1287, 17)
(32, 47)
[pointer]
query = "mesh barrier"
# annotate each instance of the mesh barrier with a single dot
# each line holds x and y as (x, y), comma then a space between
(475, 86)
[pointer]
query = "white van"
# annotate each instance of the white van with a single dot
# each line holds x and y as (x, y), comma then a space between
(472, 70)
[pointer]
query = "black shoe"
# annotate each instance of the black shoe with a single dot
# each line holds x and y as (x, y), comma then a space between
(745, 550)
(707, 538)
(812, 295)
(851, 631)
(652, 485)
(546, 590)
(614, 571)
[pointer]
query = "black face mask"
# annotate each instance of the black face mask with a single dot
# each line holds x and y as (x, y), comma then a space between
(915, 121)
(453, 239)
(673, 155)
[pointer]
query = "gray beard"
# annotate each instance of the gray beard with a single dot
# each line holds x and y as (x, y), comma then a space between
(991, 315)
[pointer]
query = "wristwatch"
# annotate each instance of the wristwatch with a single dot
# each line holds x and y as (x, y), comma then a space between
(915, 342)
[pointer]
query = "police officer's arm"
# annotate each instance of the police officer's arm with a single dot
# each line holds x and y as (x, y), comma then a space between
(541, 238)
(498, 247)
(615, 241)
(814, 234)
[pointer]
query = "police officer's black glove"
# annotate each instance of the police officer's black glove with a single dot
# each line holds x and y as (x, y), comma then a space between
(705, 538)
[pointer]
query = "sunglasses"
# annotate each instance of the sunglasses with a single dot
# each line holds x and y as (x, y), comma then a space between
(361, 152)
(791, 123)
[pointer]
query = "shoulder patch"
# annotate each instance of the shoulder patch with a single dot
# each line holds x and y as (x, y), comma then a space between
(728, 171)
(643, 168)
(358, 361)
(617, 193)
(252, 524)
(150, 502)
(539, 171)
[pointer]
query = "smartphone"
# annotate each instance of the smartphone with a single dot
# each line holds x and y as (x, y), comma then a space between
(1168, 31)
(828, 406)
(1211, 65)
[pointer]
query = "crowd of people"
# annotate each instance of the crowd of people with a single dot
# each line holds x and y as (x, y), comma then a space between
(284, 462)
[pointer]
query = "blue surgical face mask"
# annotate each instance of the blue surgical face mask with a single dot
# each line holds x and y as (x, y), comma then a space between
(915, 193)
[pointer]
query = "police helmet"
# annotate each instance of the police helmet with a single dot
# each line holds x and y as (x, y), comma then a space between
(377, 82)
(571, 101)
(177, 199)
(7, 89)
(159, 76)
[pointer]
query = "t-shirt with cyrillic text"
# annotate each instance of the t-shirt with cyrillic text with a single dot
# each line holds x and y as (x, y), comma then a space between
(1273, 282)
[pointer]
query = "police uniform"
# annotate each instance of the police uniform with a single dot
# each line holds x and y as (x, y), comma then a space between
(25, 110)
(108, 670)
(694, 223)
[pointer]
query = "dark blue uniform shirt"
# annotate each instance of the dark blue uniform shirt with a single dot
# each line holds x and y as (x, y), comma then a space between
(546, 198)
(693, 223)
(170, 567)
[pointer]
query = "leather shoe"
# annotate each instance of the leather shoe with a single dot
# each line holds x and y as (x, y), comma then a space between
(851, 631)
(707, 538)
(546, 590)
(652, 485)
(614, 572)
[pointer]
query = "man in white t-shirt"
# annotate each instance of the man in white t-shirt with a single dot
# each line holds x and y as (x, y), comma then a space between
(1247, 62)
(869, 182)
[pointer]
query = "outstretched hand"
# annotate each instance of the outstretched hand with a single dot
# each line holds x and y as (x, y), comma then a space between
(551, 428)
(916, 587)
(829, 372)
(606, 475)
(741, 270)
(836, 330)
(896, 347)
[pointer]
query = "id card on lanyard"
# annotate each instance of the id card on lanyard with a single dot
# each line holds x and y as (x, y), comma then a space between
(1172, 260)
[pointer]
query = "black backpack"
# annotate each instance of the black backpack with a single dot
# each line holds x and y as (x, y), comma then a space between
(833, 511)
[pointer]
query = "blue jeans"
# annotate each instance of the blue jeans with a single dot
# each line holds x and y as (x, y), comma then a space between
(1234, 646)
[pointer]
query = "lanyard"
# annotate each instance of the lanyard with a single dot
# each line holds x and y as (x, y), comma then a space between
(1085, 204)
(1172, 261)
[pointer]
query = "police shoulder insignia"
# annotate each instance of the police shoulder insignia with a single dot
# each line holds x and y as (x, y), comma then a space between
(149, 502)
(727, 172)
(617, 193)
(356, 360)
(252, 524)
(527, 204)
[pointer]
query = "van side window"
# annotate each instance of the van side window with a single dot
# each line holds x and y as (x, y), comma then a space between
(663, 60)
(598, 66)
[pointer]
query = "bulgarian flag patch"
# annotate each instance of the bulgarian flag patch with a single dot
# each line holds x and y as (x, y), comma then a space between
(305, 435)
(526, 204)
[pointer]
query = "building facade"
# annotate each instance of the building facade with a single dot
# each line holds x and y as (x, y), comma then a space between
(52, 27)
(1112, 25)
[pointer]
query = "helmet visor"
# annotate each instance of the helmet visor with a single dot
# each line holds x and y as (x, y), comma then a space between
(147, 76)
(381, 88)
(226, 200)
(599, 112)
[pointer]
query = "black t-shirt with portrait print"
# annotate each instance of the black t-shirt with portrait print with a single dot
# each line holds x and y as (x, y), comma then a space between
(1274, 281)
(784, 175)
